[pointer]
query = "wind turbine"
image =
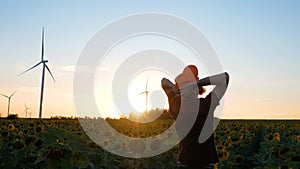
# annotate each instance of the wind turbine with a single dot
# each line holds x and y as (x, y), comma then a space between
(26, 108)
(43, 62)
(8, 97)
(30, 114)
(146, 92)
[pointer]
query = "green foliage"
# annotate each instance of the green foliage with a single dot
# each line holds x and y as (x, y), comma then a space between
(12, 116)
(61, 143)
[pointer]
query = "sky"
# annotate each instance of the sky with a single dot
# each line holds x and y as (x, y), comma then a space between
(257, 43)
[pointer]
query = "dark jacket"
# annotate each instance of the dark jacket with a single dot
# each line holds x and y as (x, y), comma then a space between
(191, 152)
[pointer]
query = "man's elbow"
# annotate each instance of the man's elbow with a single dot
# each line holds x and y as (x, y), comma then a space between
(164, 81)
(226, 77)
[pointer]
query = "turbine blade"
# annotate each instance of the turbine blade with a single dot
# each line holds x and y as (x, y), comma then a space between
(12, 94)
(42, 55)
(4, 95)
(30, 68)
(142, 92)
(50, 72)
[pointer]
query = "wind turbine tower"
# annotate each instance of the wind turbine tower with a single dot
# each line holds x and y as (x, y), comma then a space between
(26, 108)
(43, 62)
(146, 92)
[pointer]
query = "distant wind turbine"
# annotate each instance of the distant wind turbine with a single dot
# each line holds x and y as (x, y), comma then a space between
(26, 108)
(146, 92)
(30, 113)
(43, 62)
(8, 97)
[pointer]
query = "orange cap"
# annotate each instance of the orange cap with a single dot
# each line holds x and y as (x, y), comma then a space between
(189, 74)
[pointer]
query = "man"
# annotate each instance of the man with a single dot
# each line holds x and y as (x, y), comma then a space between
(182, 101)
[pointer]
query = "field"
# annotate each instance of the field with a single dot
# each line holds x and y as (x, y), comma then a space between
(62, 143)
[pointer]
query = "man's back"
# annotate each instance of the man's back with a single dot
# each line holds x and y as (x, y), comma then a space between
(182, 106)
(191, 152)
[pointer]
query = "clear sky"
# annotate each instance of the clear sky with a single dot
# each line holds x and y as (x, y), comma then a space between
(257, 43)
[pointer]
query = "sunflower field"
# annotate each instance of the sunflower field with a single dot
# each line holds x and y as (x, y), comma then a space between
(62, 143)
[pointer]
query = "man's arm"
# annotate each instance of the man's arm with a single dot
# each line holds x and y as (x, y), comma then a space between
(168, 87)
(173, 97)
(220, 81)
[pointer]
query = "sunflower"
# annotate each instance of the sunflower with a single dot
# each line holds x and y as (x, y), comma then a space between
(11, 127)
(18, 145)
(296, 126)
(30, 139)
(39, 129)
(282, 127)
(105, 142)
(225, 155)
(20, 133)
(294, 138)
(298, 138)
(283, 151)
(3, 126)
(38, 142)
(269, 137)
(130, 134)
(276, 136)
(4, 134)
(92, 144)
(220, 147)
(227, 132)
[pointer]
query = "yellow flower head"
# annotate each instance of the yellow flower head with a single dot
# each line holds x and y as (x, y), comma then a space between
(39, 129)
(106, 142)
(276, 136)
(224, 155)
(282, 126)
(20, 133)
(11, 127)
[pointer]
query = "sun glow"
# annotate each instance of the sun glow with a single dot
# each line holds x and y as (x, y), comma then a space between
(136, 95)
(138, 87)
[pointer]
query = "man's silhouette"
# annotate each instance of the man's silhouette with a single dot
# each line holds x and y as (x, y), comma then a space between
(182, 98)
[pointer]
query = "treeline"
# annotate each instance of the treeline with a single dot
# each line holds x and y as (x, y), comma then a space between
(145, 116)
(151, 115)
